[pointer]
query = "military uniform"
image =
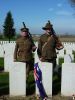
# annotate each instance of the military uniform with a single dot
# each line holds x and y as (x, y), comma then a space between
(47, 48)
(23, 51)
(48, 51)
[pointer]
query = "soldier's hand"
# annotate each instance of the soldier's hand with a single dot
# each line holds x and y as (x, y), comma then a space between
(41, 59)
(57, 52)
(34, 48)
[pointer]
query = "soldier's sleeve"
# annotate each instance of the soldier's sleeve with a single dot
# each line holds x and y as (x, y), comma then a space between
(33, 46)
(15, 51)
(39, 49)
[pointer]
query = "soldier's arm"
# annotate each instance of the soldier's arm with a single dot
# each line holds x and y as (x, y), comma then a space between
(33, 46)
(39, 50)
(15, 51)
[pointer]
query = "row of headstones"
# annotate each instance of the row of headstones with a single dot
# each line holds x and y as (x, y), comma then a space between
(46, 71)
(67, 74)
(64, 43)
(14, 42)
(17, 76)
(17, 73)
(5, 42)
(68, 46)
(17, 79)
(9, 51)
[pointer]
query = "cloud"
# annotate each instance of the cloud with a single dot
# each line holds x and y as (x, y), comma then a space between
(50, 9)
(59, 5)
(64, 13)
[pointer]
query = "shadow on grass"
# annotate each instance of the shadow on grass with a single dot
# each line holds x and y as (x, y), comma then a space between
(4, 83)
(30, 88)
(1, 69)
(4, 90)
(56, 84)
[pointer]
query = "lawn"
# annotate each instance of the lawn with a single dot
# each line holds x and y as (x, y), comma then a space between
(1, 63)
(4, 83)
(74, 55)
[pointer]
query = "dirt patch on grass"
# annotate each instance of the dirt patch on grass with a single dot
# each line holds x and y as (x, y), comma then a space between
(33, 97)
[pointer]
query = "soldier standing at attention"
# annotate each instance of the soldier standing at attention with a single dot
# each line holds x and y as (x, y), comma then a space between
(47, 46)
(24, 48)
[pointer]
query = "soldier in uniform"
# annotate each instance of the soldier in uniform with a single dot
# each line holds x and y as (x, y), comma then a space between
(47, 46)
(24, 48)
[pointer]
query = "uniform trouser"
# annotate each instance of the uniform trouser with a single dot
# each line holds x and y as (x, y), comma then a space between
(28, 67)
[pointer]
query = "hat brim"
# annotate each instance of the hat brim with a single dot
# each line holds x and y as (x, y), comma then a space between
(44, 28)
(47, 27)
(24, 29)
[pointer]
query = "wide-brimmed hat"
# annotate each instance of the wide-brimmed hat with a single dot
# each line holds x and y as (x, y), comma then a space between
(47, 26)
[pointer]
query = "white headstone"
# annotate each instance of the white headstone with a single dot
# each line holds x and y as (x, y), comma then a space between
(67, 58)
(1, 51)
(68, 79)
(69, 51)
(46, 69)
(17, 79)
(60, 53)
(8, 56)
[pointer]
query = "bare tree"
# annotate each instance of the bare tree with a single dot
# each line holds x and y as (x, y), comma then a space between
(72, 2)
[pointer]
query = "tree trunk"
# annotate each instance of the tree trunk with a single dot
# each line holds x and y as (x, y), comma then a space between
(9, 39)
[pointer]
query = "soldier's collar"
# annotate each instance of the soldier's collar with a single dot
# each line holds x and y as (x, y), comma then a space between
(48, 34)
(24, 37)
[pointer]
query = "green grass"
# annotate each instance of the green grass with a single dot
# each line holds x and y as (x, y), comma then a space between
(61, 60)
(74, 55)
(4, 83)
(4, 77)
(64, 51)
(1, 63)
(31, 84)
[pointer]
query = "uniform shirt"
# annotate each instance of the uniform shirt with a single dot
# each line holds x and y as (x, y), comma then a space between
(23, 49)
(48, 51)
